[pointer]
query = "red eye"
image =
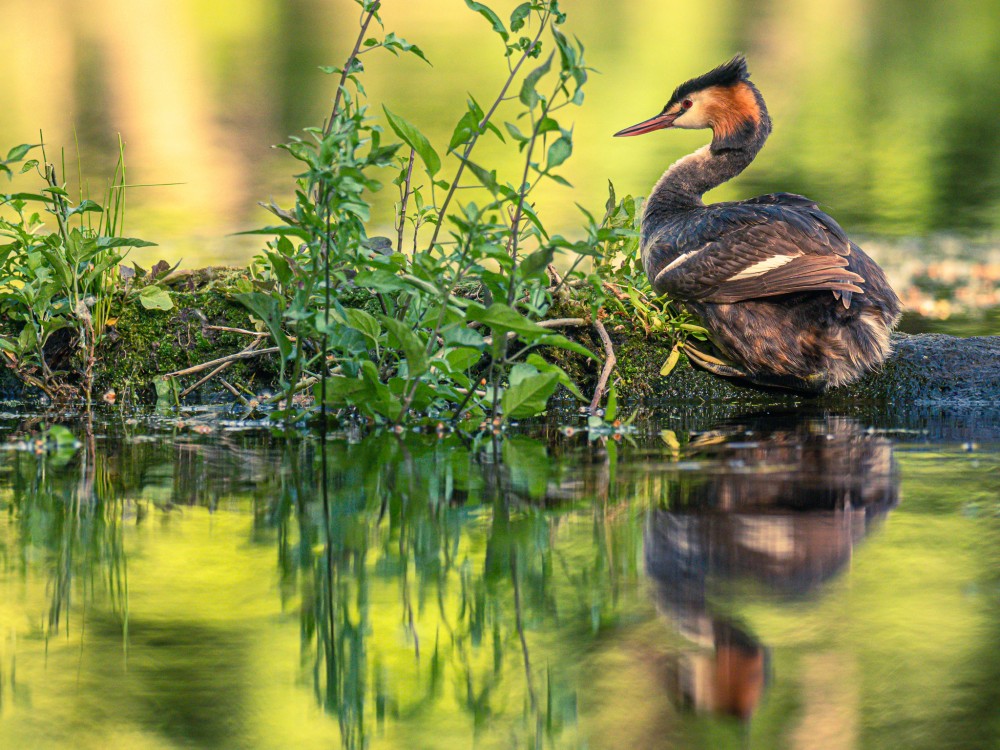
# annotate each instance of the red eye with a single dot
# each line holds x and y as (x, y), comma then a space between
(687, 104)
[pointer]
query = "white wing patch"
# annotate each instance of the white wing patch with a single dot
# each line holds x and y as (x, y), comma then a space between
(677, 261)
(762, 267)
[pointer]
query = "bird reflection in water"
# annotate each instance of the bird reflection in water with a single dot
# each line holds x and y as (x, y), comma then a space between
(778, 503)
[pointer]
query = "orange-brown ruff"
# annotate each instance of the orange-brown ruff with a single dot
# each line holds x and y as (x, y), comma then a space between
(788, 299)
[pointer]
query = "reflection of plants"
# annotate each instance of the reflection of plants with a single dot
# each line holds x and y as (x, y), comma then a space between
(70, 515)
(472, 596)
(60, 286)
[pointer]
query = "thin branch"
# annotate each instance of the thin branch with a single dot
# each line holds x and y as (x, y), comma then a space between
(301, 385)
(229, 387)
(230, 358)
(347, 68)
(402, 206)
(238, 330)
(221, 368)
(609, 365)
(482, 124)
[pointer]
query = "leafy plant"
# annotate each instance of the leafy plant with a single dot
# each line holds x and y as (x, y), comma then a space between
(59, 286)
(445, 329)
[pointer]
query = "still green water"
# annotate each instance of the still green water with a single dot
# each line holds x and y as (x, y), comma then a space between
(767, 581)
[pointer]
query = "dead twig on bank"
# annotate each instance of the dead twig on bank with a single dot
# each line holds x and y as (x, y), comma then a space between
(609, 365)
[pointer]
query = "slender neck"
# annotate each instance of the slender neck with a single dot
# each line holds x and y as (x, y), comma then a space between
(683, 184)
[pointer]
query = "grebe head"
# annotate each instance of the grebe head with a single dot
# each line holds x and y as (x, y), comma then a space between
(722, 99)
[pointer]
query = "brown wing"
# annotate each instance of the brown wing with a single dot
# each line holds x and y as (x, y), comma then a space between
(755, 249)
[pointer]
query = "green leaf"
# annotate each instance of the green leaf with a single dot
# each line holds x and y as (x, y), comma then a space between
(611, 410)
(461, 359)
(671, 362)
(339, 390)
(467, 125)
(536, 262)
(517, 18)
(529, 391)
(500, 317)
(458, 334)
(18, 152)
(490, 16)
(538, 361)
(85, 206)
(269, 309)
(488, 178)
(413, 348)
(561, 342)
(365, 323)
(559, 152)
(529, 97)
(167, 391)
(155, 298)
(516, 134)
(123, 242)
(415, 140)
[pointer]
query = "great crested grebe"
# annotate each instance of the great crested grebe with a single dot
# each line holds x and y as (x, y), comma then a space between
(789, 301)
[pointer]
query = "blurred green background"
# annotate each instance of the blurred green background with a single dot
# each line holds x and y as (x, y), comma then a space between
(885, 110)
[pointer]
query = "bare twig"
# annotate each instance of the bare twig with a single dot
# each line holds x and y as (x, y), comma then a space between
(229, 387)
(609, 365)
(554, 278)
(562, 322)
(221, 368)
(237, 330)
(300, 386)
(229, 358)
(615, 291)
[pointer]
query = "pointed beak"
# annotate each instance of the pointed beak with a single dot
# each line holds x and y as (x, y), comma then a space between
(662, 120)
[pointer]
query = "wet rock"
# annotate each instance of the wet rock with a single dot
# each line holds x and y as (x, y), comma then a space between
(923, 369)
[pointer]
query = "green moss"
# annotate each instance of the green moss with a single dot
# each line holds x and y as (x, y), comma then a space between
(145, 344)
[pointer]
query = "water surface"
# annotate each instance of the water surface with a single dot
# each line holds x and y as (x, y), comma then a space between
(768, 580)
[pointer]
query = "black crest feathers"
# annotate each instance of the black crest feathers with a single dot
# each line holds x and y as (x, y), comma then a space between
(727, 74)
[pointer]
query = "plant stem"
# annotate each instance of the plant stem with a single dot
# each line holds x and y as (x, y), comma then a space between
(402, 204)
(482, 124)
(347, 67)
(524, 189)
